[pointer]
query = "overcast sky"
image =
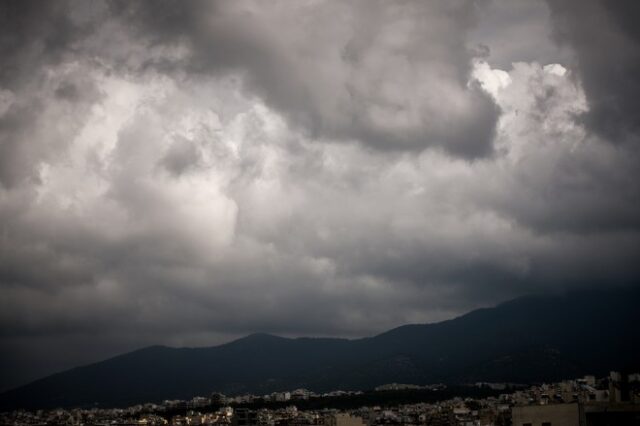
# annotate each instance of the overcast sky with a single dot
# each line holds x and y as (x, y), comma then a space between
(188, 172)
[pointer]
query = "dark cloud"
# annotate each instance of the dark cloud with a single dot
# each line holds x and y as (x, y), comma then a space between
(607, 46)
(189, 172)
(529, 22)
(31, 131)
(34, 37)
(180, 157)
(67, 91)
(36, 34)
(568, 181)
(389, 76)
(15, 157)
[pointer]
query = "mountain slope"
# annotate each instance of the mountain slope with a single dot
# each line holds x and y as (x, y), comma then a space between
(528, 339)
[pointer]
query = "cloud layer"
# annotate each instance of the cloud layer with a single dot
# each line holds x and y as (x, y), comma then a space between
(185, 173)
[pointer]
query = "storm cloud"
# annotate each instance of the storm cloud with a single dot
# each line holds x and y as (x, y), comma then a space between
(185, 173)
(606, 40)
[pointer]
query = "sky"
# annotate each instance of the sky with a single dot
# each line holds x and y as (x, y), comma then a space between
(188, 172)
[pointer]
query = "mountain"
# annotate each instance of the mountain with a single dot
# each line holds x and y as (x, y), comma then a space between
(530, 339)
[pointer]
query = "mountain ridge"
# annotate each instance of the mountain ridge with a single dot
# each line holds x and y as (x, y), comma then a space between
(532, 338)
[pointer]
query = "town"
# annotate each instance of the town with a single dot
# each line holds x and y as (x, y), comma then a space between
(587, 401)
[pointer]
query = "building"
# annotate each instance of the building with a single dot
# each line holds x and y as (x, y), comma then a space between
(342, 419)
(548, 415)
(577, 414)
(244, 417)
